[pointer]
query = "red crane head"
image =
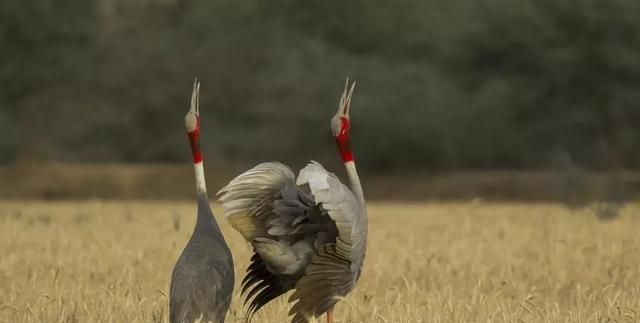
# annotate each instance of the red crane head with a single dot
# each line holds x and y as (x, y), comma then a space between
(192, 123)
(341, 124)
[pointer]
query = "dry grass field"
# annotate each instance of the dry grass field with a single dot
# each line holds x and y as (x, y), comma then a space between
(459, 262)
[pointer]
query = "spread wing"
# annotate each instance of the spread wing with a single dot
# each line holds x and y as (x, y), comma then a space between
(248, 199)
(335, 267)
(282, 224)
(313, 245)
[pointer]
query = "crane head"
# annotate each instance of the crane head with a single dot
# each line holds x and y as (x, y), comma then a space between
(340, 123)
(192, 118)
(192, 122)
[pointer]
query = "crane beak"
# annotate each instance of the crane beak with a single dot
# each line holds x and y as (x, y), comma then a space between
(345, 100)
(195, 98)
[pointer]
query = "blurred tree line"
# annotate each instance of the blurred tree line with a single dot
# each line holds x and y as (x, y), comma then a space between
(442, 84)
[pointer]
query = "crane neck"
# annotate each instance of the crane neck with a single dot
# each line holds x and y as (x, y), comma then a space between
(196, 154)
(201, 183)
(205, 223)
(354, 180)
(343, 139)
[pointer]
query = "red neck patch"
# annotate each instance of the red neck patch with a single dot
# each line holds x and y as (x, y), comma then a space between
(194, 140)
(344, 140)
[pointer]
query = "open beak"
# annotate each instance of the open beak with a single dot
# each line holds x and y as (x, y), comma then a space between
(345, 99)
(195, 98)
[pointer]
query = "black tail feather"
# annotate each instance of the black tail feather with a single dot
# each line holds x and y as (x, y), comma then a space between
(262, 284)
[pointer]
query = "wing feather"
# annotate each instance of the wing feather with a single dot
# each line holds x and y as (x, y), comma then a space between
(334, 268)
(343, 208)
(249, 198)
(328, 277)
(324, 234)
(264, 205)
(262, 284)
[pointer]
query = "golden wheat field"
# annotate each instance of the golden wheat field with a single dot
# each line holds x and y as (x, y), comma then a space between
(458, 262)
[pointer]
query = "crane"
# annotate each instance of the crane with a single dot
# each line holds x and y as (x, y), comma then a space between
(203, 277)
(312, 243)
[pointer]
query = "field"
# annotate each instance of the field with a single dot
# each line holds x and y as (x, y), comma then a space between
(438, 262)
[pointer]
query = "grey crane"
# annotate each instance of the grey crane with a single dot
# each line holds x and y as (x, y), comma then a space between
(203, 278)
(312, 243)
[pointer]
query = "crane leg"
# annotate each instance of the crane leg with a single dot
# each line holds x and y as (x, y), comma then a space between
(330, 315)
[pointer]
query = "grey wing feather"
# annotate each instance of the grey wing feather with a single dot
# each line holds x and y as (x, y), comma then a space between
(271, 213)
(327, 278)
(343, 208)
(335, 267)
(248, 199)
(316, 245)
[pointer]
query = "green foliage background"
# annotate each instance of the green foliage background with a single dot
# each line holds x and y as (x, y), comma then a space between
(442, 84)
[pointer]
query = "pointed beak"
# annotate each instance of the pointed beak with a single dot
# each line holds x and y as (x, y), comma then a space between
(345, 100)
(195, 98)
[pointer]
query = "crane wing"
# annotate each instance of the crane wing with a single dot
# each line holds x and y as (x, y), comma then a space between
(341, 205)
(248, 199)
(327, 278)
(282, 224)
(335, 267)
(315, 245)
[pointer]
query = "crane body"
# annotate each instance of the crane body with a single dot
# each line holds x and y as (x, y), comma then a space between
(313, 243)
(203, 278)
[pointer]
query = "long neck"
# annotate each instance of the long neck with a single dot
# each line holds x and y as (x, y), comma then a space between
(344, 146)
(205, 221)
(196, 153)
(201, 183)
(354, 180)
